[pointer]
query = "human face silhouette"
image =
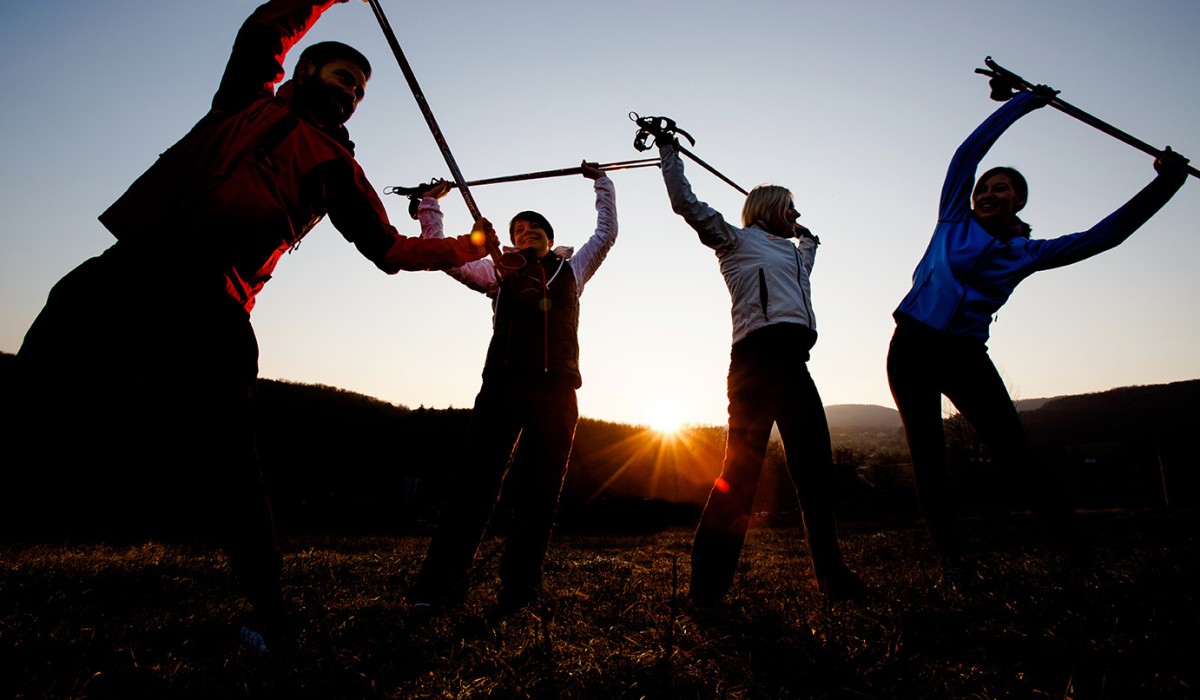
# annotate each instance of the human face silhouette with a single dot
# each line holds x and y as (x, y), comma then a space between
(785, 220)
(995, 200)
(528, 235)
(332, 92)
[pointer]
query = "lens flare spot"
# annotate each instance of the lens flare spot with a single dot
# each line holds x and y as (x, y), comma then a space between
(478, 238)
(721, 485)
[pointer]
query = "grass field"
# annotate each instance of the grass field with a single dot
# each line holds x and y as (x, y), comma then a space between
(159, 621)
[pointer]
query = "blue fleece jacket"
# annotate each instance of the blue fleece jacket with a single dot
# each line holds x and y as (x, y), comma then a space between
(967, 274)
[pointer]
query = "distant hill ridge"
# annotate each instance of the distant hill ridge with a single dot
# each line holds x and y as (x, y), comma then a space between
(340, 461)
(847, 417)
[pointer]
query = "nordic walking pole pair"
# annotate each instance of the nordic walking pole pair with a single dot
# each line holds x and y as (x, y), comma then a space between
(1005, 82)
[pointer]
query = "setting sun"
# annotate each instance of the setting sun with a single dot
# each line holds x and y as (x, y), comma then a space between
(665, 418)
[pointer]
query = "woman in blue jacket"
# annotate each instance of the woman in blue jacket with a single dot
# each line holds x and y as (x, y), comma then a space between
(979, 252)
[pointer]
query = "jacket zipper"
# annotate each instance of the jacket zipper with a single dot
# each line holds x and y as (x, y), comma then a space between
(545, 321)
(812, 322)
(975, 264)
(762, 293)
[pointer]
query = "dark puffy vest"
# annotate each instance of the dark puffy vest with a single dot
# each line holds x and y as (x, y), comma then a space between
(536, 324)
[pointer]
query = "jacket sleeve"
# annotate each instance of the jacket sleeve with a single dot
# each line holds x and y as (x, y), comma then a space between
(592, 254)
(1112, 231)
(960, 176)
(357, 212)
(808, 252)
(709, 224)
(479, 275)
(256, 61)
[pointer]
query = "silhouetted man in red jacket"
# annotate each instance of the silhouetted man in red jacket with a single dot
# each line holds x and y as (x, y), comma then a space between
(143, 362)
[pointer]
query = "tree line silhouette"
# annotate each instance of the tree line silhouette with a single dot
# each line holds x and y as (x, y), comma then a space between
(343, 463)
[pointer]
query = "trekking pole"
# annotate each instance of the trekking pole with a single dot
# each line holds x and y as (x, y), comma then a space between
(415, 193)
(710, 169)
(665, 127)
(507, 261)
(1002, 92)
(540, 174)
(619, 165)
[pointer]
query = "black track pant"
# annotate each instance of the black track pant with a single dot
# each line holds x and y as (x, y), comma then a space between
(529, 425)
(769, 383)
(135, 407)
(923, 365)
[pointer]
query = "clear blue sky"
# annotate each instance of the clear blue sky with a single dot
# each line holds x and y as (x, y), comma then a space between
(855, 106)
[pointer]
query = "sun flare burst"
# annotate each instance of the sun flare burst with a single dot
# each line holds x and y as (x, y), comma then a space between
(666, 419)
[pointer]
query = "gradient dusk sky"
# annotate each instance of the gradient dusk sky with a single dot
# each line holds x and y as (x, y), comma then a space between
(855, 106)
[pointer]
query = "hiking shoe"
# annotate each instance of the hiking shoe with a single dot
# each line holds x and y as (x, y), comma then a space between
(509, 606)
(844, 586)
(251, 640)
(702, 603)
(267, 631)
(425, 599)
(425, 609)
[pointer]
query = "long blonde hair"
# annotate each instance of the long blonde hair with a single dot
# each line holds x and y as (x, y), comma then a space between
(765, 203)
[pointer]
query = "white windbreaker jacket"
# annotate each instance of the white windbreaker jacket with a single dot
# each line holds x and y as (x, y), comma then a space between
(767, 275)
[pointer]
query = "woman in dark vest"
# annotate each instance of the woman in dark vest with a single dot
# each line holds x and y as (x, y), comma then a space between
(526, 411)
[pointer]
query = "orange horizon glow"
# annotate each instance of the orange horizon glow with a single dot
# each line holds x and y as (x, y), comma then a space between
(676, 465)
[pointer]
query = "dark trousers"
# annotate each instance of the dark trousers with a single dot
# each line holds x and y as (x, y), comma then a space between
(136, 414)
(923, 365)
(769, 384)
(530, 425)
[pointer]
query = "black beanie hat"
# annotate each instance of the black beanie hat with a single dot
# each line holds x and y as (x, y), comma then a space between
(323, 52)
(534, 218)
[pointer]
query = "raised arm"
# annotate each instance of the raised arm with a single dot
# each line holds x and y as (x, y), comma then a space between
(479, 275)
(256, 61)
(358, 214)
(709, 224)
(1119, 225)
(960, 176)
(592, 253)
(807, 243)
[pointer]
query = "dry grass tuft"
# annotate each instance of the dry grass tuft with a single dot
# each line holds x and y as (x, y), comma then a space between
(159, 621)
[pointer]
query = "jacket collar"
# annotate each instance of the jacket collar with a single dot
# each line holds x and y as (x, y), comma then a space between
(1015, 229)
(762, 226)
(287, 93)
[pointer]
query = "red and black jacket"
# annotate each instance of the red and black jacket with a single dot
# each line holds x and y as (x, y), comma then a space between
(253, 177)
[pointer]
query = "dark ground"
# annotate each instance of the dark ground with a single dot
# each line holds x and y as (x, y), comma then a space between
(158, 620)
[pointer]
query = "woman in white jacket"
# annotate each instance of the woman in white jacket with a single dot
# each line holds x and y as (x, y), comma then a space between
(773, 331)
